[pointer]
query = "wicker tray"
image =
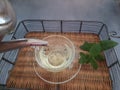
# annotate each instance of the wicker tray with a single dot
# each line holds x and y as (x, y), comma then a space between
(23, 74)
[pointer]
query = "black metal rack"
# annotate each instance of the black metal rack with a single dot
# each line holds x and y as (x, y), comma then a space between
(62, 26)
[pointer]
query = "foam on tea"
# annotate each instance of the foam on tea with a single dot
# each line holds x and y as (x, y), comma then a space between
(56, 58)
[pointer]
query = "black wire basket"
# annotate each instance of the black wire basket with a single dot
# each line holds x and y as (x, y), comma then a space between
(62, 26)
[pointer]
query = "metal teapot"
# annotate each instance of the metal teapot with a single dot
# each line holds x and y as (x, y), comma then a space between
(7, 24)
(7, 17)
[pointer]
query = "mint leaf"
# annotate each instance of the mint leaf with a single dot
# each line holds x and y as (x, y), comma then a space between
(100, 57)
(95, 49)
(86, 46)
(84, 58)
(107, 44)
(93, 63)
(94, 52)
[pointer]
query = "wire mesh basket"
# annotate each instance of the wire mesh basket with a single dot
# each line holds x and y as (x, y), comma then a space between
(60, 26)
(63, 26)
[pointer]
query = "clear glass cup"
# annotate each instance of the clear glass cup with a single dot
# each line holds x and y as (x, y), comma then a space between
(57, 55)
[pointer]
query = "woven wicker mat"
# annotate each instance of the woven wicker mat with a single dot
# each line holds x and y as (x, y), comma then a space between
(23, 74)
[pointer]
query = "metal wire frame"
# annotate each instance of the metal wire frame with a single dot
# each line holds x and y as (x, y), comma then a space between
(102, 29)
(62, 26)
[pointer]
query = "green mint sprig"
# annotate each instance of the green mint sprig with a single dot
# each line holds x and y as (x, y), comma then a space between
(94, 52)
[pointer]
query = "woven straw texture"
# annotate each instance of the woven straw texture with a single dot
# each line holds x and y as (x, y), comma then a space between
(23, 74)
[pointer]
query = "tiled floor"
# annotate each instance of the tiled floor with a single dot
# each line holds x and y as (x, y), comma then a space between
(106, 11)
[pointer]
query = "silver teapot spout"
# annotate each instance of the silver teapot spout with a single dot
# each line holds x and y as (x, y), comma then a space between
(19, 43)
(7, 17)
(7, 24)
